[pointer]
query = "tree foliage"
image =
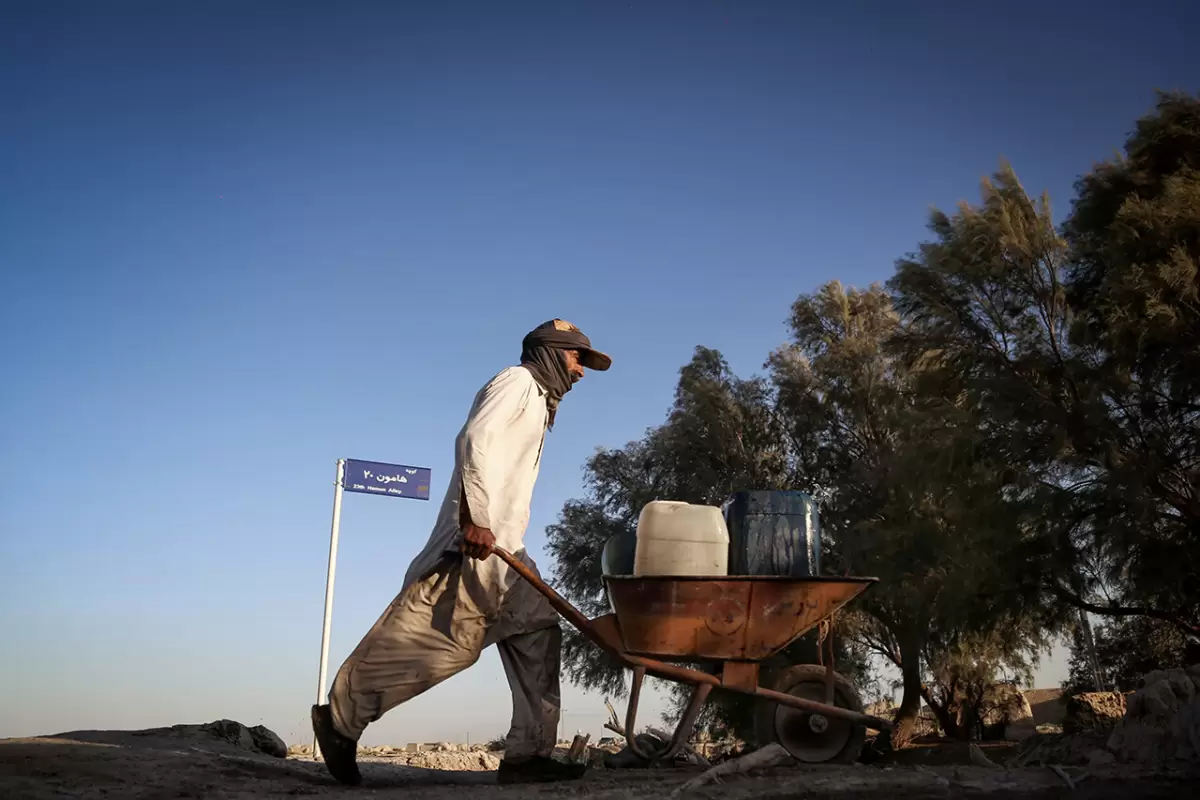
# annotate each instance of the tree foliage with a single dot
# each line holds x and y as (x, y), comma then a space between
(1004, 435)
(1126, 649)
(1079, 349)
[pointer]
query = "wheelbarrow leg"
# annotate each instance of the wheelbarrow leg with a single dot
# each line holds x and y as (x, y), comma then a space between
(635, 692)
(684, 731)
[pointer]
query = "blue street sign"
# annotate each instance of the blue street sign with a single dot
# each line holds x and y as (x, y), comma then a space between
(393, 480)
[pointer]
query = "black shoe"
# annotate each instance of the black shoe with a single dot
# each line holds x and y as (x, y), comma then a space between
(539, 769)
(340, 753)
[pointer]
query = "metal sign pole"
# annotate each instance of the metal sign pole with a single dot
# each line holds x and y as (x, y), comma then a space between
(333, 543)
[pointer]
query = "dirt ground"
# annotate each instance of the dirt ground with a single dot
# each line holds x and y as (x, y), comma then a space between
(126, 765)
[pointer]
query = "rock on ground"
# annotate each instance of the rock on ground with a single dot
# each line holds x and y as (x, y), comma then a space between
(260, 738)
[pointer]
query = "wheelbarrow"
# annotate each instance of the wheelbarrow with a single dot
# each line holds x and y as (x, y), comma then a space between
(735, 622)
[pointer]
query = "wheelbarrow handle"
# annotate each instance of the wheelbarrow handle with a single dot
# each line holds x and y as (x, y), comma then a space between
(560, 604)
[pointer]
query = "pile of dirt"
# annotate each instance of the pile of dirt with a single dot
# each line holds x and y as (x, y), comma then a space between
(223, 735)
(1162, 720)
(1158, 726)
(1093, 712)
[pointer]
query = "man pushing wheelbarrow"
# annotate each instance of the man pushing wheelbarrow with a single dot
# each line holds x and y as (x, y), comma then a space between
(455, 600)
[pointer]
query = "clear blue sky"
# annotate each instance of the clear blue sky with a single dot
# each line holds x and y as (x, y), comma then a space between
(241, 240)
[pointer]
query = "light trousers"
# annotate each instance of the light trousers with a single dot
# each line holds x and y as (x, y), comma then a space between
(435, 629)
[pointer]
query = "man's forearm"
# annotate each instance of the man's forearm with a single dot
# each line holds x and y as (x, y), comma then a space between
(473, 504)
(465, 517)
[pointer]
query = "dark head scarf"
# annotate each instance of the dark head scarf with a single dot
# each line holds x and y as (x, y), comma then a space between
(542, 354)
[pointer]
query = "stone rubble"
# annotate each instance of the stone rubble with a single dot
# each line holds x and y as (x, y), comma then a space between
(440, 756)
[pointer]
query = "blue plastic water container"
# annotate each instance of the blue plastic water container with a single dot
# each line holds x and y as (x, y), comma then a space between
(773, 533)
(618, 555)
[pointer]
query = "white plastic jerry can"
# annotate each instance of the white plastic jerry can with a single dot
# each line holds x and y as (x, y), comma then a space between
(675, 538)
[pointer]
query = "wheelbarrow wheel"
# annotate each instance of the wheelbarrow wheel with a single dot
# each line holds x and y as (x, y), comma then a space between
(811, 738)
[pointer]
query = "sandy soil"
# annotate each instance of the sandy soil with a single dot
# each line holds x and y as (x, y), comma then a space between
(126, 765)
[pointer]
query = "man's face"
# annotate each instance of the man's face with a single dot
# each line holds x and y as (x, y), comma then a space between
(574, 368)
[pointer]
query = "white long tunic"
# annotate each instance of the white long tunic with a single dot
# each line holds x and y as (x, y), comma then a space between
(496, 459)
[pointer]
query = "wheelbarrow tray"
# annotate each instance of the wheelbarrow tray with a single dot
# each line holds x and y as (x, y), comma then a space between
(735, 618)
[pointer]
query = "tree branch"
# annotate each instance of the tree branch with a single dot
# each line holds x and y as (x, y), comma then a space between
(1187, 626)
